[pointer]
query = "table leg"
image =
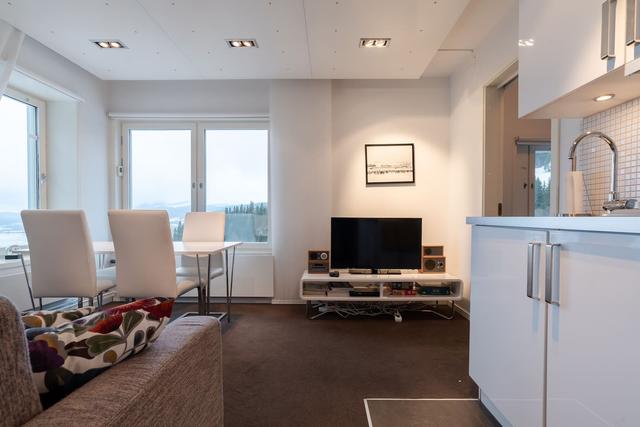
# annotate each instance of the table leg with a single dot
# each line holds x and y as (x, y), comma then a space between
(208, 300)
(200, 288)
(226, 279)
(230, 288)
(26, 278)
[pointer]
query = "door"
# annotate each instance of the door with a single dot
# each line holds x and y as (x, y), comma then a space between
(509, 321)
(593, 356)
(532, 179)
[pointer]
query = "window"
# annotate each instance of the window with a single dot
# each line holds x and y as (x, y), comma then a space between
(21, 164)
(160, 172)
(541, 158)
(236, 169)
(201, 167)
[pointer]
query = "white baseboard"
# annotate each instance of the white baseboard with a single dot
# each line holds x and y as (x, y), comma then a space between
(287, 301)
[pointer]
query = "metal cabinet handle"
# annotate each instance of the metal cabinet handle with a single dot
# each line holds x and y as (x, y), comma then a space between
(531, 252)
(608, 40)
(549, 273)
(633, 20)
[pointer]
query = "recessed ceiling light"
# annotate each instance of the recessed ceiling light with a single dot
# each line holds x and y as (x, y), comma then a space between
(375, 42)
(606, 97)
(526, 42)
(242, 43)
(109, 44)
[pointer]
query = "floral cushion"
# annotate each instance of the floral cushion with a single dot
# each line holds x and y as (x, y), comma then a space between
(66, 356)
(41, 319)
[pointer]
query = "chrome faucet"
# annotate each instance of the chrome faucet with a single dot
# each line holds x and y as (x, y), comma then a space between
(613, 202)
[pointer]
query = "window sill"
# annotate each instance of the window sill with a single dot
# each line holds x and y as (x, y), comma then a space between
(254, 249)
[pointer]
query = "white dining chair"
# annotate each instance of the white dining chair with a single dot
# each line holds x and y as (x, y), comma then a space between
(63, 263)
(202, 227)
(145, 257)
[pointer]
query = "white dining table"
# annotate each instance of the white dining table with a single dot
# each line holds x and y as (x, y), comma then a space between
(204, 249)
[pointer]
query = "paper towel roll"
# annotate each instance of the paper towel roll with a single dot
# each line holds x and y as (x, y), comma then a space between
(574, 192)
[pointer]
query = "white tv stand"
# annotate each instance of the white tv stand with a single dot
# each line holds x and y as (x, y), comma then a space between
(324, 289)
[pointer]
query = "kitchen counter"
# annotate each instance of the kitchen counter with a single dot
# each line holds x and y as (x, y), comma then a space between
(601, 224)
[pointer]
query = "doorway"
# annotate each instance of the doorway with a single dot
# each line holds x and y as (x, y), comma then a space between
(517, 154)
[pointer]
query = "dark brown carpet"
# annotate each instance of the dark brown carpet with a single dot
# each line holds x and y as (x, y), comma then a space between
(281, 369)
(429, 413)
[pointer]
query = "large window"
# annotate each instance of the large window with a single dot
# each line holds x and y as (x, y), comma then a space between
(236, 169)
(184, 167)
(21, 169)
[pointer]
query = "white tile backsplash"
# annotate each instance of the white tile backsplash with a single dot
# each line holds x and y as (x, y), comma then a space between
(622, 124)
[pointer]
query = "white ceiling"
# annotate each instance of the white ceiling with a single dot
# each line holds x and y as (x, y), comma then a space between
(474, 25)
(185, 39)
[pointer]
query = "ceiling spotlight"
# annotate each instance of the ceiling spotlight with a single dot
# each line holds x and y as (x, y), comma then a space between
(109, 44)
(375, 42)
(604, 97)
(526, 42)
(242, 43)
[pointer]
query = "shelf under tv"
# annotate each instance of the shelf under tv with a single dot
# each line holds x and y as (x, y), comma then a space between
(322, 288)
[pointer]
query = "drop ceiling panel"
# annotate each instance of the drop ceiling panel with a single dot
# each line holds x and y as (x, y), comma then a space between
(66, 26)
(185, 39)
(416, 28)
(199, 28)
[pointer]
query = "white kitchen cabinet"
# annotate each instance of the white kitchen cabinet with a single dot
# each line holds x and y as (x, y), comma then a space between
(593, 345)
(572, 357)
(562, 50)
(508, 328)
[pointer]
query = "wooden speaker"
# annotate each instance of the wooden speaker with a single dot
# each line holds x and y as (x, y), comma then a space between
(318, 262)
(432, 251)
(434, 264)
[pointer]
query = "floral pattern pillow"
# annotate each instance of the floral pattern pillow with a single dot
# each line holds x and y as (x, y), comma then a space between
(43, 318)
(66, 356)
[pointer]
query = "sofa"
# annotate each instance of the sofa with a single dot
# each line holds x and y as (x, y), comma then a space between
(175, 381)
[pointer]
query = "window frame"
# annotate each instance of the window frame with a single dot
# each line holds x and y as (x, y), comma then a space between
(37, 162)
(198, 159)
(126, 155)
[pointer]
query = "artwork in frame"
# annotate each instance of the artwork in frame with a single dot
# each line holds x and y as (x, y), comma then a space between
(389, 163)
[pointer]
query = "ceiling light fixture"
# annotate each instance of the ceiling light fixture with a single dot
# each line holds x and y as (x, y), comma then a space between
(109, 44)
(242, 43)
(375, 42)
(526, 42)
(606, 97)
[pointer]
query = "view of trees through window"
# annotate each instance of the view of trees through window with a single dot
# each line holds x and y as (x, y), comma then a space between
(236, 177)
(542, 193)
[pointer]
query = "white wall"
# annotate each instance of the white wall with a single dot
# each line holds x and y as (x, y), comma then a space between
(300, 112)
(464, 185)
(237, 97)
(76, 157)
(89, 137)
(392, 111)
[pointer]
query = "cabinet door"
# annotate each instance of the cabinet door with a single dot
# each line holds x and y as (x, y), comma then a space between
(593, 356)
(507, 327)
(561, 48)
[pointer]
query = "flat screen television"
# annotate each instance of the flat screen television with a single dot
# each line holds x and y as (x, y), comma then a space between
(376, 243)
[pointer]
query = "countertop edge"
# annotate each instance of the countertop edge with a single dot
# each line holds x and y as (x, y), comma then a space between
(623, 225)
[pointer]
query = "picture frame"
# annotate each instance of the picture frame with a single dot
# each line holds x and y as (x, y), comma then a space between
(389, 164)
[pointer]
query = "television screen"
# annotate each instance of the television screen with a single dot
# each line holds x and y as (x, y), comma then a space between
(376, 243)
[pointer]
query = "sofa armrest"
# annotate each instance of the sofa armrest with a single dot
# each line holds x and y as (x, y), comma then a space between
(176, 381)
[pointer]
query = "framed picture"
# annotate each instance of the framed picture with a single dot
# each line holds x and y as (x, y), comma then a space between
(389, 163)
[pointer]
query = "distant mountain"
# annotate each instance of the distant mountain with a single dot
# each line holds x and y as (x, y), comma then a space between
(10, 221)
